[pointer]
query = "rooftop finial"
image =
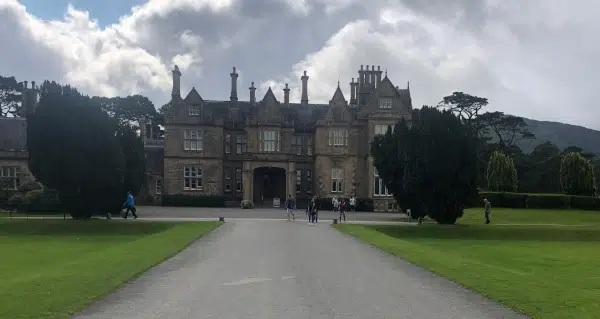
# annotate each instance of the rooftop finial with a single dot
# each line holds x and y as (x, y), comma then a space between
(338, 82)
(386, 72)
(408, 85)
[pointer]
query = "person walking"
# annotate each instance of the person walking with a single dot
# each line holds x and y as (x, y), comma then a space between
(352, 203)
(342, 209)
(487, 207)
(290, 205)
(129, 205)
(312, 209)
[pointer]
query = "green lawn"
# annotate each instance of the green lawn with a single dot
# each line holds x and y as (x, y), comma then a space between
(543, 271)
(54, 268)
(475, 216)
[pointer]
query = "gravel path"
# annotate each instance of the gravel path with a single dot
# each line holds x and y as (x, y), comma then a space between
(280, 269)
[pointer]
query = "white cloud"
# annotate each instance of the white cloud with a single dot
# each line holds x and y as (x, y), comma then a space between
(534, 59)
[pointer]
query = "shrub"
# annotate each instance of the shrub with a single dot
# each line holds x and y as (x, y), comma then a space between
(501, 173)
(39, 201)
(362, 204)
(247, 204)
(501, 199)
(30, 186)
(15, 202)
(585, 202)
(193, 201)
(548, 201)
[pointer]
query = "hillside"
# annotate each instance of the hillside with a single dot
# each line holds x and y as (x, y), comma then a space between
(562, 135)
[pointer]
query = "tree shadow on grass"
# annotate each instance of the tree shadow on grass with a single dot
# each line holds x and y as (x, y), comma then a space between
(78, 227)
(489, 232)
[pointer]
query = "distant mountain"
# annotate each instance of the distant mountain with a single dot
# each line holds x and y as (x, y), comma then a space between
(563, 135)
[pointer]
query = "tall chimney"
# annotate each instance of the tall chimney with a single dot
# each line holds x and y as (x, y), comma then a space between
(379, 75)
(361, 78)
(176, 83)
(304, 99)
(252, 93)
(234, 77)
(352, 92)
(286, 95)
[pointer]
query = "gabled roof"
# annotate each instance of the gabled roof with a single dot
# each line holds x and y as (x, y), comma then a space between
(338, 95)
(269, 96)
(193, 96)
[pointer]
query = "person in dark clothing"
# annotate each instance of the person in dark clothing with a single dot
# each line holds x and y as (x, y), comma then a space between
(487, 207)
(290, 205)
(312, 211)
(129, 205)
(342, 209)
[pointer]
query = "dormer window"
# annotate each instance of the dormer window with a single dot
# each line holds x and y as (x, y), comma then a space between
(194, 110)
(385, 103)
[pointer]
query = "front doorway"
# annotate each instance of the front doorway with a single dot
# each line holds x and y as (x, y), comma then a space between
(269, 183)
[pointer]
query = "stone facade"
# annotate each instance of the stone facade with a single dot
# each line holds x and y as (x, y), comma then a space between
(269, 148)
(14, 168)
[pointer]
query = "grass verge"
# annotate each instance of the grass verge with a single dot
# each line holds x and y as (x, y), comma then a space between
(55, 268)
(475, 216)
(545, 272)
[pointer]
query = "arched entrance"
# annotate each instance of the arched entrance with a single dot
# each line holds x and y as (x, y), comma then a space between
(269, 183)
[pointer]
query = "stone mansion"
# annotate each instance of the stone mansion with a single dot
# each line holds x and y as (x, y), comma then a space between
(259, 150)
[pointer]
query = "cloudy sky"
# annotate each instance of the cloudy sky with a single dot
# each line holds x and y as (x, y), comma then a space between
(538, 58)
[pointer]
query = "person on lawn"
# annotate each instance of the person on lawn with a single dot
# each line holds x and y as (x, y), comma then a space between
(290, 205)
(342, 209)
(487, 207)
(129, 205)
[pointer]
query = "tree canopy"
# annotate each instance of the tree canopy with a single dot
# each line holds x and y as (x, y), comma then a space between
(76, 148)
(577, 175)
(10, 96)
(501, 173)
(429, 165)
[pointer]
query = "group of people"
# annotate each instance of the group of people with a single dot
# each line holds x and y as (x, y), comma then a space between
(313, 212)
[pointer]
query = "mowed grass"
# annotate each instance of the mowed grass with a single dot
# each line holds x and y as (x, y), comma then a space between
(543, 271)
(475, 216)
(54, 268)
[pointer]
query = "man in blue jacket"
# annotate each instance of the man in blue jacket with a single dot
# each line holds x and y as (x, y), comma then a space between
(129, 205)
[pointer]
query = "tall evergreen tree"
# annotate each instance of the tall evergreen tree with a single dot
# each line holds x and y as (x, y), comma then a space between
(73, 149)
(430, 165)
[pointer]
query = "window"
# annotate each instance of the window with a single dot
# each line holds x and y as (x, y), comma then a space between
(192, 178)
(227, 188)
(241, 142)
(158, 188)
(298, 180)
(238, 180)
(308, 182)
(385, 103)
(379, 188)
(309, 145)
(227, 143)
(297, 145)
(338, 137)
(10, 177)
(382, 129)
(337, 176)
(270, 141)
(194, 110)
(192, 140)
(227, 173)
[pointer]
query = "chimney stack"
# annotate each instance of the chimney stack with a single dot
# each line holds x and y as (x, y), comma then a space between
(252, 93)
(361, 78)
(304, 99)
(176, 94)
(353, 92)
(286, 95)
(234, 76)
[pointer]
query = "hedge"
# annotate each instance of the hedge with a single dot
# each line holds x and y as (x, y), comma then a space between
(362, 204)
(180, 200)
(40, 201)
(543, 201)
